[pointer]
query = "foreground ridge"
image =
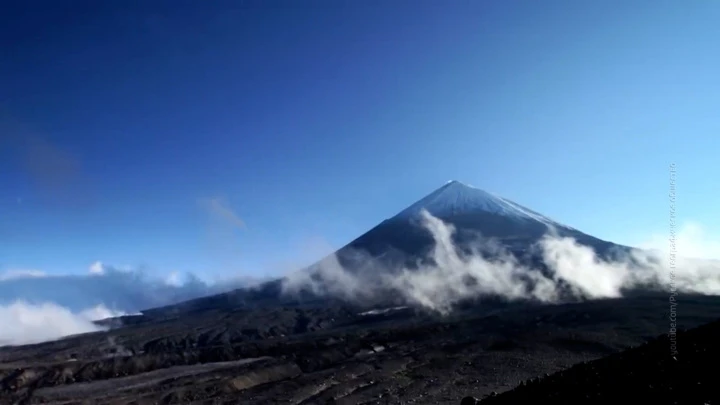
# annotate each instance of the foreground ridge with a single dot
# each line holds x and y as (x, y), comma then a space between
(648, 372)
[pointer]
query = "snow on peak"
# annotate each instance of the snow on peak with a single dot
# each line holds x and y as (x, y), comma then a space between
(456, 198)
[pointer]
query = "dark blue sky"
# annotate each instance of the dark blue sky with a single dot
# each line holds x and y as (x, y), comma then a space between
(314, 120)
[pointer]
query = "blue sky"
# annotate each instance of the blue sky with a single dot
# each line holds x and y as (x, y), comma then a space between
(125, 127)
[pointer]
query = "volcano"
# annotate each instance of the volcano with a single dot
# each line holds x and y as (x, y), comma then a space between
(403, 241)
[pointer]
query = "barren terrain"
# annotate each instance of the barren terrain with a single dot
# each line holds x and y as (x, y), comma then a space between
(334, 355)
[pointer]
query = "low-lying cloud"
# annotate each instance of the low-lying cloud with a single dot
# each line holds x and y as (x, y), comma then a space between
(26, 323)
(450, 274)
(36, 307)
(125, 290)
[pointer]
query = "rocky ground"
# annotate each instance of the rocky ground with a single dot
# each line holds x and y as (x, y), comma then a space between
(336, 355)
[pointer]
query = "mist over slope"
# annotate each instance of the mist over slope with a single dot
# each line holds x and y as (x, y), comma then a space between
(450, 273)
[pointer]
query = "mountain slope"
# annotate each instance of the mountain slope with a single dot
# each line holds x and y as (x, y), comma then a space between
(472, 212)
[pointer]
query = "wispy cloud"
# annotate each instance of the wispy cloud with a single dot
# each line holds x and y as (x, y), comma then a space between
(15, 273)
(53, 168)
(223, 237)
(220, 209)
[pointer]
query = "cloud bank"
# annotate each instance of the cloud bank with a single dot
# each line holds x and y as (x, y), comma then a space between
(449, 275)
(33, 323)
(126, 290)
(36, 307)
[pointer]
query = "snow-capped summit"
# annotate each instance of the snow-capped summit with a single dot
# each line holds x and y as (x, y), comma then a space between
(456, 198)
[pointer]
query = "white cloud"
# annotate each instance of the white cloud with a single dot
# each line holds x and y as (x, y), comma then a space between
(29, 298)
(127, 290)
(13, 274)
(100, 312)
(173, 279)
(691, 240)
(34, 323)
(96, 268)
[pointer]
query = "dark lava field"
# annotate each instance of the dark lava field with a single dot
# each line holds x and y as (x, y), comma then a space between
(501, 354)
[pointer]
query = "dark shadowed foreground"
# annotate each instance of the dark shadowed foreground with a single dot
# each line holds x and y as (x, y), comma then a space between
(336, 355)
(649, 373)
